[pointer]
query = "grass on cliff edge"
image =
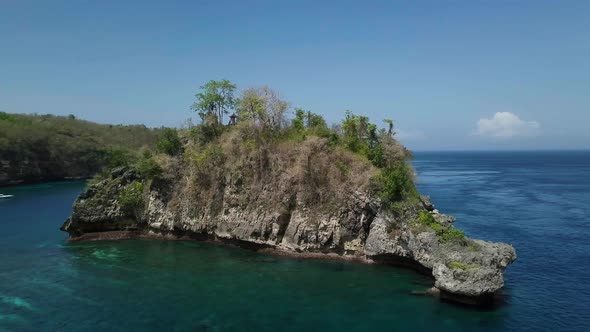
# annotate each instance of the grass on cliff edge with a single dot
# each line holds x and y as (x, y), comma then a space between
(462, 266)
(446, 233)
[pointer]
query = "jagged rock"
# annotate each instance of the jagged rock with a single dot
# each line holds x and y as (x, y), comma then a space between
(97, 210)
(130, 176)
(442, 218)
(118, 171)
(426, 202)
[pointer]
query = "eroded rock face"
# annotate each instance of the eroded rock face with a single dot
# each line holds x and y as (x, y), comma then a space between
(97, 209)
(357, 228)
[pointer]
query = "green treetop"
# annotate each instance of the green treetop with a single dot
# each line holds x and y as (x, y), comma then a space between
(216, 98)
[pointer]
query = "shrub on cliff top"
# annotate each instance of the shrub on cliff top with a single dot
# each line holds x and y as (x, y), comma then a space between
(117, 157)
(305, 124)
(147, 167)
(395, 183)
(168, 142)
(131, 196)
(206, 132)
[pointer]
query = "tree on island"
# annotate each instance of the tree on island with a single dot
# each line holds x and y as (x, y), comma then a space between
(264, 107)
(215, 99)
(390, 131)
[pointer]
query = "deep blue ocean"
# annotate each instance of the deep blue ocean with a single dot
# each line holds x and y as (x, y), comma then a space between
(537, 201)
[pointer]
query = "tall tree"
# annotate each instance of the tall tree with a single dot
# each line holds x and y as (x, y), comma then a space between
(251, 106)
(390, 131)
(216, 98)
(263, 106)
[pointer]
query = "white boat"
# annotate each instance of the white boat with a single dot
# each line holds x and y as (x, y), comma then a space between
(6, 196)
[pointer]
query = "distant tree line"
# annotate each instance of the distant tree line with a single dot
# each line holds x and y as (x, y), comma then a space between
(45, 147)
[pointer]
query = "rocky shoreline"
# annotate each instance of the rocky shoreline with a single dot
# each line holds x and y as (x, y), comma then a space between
(466, 271)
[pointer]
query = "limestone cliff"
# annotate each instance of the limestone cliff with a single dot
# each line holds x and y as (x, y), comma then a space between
(280, 212)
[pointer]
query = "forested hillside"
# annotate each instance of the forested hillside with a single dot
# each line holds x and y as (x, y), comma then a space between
(47, 147)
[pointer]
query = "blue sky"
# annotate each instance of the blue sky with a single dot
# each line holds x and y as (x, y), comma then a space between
(452, 74)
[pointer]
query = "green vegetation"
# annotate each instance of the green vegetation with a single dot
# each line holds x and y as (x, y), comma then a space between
(266, 143)
(447, 234)
(395, 184)
(216, 98)
(131, 196)
(47, 147)
(426, 218)
(210, 156)
(117, 157)
(360, 136)
(451, 234)
(462, 266)
(206, 132)
(147, 167)
(144, 163)
(390, 131)
(168, 142)
(307, 124)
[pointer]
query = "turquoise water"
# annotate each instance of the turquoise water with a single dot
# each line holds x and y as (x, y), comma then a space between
(540, 202)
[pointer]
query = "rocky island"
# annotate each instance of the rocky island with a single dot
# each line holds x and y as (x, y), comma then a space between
(293, 187)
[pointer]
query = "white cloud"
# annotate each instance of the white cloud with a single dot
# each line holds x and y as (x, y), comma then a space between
(506, 125)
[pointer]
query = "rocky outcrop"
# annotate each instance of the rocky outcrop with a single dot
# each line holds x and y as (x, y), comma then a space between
(469, 271)
(472, 269)
(97, 208)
